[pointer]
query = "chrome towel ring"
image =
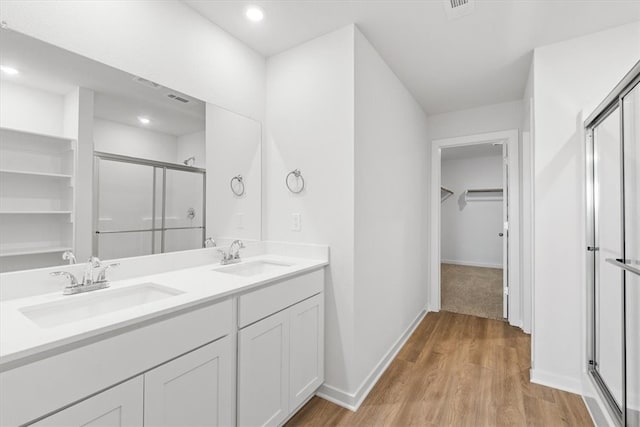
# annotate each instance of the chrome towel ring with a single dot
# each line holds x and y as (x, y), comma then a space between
(299, 180)
(237, 189)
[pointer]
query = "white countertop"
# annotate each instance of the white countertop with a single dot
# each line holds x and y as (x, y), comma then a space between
(21, 338)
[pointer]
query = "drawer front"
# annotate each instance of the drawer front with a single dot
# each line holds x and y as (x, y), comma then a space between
(33, 390)
(265, 301)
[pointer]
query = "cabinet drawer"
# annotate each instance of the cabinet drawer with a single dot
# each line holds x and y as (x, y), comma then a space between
(265, 301)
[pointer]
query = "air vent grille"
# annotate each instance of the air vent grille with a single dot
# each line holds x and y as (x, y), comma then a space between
(178, 98)
(458, 8)
(146, 82)
(458, 3)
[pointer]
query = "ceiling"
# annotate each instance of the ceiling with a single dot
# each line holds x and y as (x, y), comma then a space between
(471, 151)
(448, 65)
(117, 96)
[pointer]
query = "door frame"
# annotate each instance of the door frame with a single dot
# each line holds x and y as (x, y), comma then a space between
(510, 137)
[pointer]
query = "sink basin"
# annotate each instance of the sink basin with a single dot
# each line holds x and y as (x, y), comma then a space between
(81, 307)
(253, 268)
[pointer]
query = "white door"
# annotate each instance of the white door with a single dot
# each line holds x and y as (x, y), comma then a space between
(505, 230)
(193, 390)
(307, 349)
(118, 406)
(263, 371)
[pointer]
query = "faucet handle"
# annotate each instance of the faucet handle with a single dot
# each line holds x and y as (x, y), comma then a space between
(94, 261)
(223, 253)
(69, 256)
(72, 279)
(102, 275)
(209, 242)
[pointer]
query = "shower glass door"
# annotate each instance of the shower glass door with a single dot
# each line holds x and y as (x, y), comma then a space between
(614, 249)
(143, 207)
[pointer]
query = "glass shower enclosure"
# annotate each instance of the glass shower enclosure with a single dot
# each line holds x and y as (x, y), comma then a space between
(144, 207)
(613, 251)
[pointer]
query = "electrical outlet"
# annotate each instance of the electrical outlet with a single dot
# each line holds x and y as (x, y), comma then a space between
(296, 222)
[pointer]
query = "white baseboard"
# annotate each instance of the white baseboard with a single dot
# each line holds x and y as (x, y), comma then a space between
(552, 380)
(471, 263)
(352, 401)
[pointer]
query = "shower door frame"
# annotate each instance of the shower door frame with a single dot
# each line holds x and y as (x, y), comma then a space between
(613, 102)
(164, 166)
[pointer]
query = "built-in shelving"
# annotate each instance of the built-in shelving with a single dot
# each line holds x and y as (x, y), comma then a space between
(34, 251)
(483, 195)
(53, 138)
(34, 173)
(37, 173)
(35, 212)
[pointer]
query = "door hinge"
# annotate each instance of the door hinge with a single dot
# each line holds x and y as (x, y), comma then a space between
(506, 290)
(506, 225)
(593, 248)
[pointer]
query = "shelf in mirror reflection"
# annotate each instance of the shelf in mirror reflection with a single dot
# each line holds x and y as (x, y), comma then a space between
(33, 250)
(35, 173)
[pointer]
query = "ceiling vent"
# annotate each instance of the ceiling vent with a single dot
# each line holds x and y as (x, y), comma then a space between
(147, 83)
(177, 98)
(458, 8)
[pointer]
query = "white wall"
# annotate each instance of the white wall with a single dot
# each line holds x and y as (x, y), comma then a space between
(233, 148)
(469, 230)
(164, 41)
(118, 138)
(192, 144)
(309, 126)
(391, 181)
(488, 118)
(31, 109)
(570, 77)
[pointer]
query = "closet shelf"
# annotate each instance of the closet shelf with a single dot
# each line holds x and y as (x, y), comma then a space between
(483, 195)
(445, 193)
(35, 212)
(56, 138)
(33, 251)
(33, 173)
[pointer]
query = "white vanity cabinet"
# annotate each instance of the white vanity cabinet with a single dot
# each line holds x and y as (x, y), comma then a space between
(281, 356)
(192, 390)
(118, 406)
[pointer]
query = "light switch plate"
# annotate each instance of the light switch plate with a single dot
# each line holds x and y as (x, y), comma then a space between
(296, 222)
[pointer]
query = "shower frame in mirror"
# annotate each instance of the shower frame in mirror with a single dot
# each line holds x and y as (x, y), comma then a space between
(156, 165)
(613, 103)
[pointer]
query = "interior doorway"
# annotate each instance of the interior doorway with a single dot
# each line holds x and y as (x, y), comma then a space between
(508, 193)
(473, 246)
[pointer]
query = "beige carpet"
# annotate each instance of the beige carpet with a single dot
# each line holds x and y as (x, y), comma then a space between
(472, 290)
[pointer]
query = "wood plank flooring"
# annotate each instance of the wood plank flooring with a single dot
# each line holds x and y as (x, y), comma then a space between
(456, 370)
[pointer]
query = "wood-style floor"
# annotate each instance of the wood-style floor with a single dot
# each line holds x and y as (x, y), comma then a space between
(456, 370)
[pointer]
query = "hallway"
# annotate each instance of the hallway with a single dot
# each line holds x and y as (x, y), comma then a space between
(456, 370)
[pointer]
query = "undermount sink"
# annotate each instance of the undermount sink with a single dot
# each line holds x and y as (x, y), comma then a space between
(253, 268)
(81, 307)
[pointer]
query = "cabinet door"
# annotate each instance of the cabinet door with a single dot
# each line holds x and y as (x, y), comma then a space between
(307, 349)
(118, 406)
(193, 390)
(263, 370)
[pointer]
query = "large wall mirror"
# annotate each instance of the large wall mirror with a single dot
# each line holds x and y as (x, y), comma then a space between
(97, 161)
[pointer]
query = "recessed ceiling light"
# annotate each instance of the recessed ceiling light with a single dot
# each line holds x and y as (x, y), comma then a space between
(144, 120)
(254, 13)
(9, 70)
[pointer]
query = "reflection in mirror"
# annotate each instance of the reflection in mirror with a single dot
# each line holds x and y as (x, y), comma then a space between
(101, 162)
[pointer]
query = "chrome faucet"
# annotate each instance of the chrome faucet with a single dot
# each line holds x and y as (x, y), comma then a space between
(88, 283)
(94, 262)
(233, 256)
(69, 256)
(209, 242)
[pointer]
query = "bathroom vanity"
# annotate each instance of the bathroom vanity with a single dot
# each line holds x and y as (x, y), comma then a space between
(209, 345)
